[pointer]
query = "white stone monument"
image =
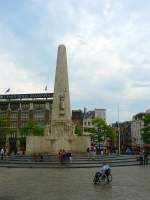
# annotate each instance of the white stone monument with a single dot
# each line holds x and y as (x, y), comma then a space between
(60, 133)
(61, 124)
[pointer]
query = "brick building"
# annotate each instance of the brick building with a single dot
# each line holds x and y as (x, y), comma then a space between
(18, 109)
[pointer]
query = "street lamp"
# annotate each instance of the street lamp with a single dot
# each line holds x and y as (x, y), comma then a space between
(118, 132)
(118, 138)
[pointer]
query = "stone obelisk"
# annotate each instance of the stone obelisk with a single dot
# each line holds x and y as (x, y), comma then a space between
(59, 133)
(61, 114)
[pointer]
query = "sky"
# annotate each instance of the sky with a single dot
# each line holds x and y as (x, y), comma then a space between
(108, 51)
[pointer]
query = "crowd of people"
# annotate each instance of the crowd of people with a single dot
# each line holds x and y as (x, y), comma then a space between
(91, 152)
(64, 156)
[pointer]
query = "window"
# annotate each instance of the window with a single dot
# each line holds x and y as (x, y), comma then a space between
(39, 106)
(38, 115)
(13, 125)
(23, 123)
(24, 115)
(4, 106)
(14, 106)
(25, 106)
(3, 115)
(13, 116)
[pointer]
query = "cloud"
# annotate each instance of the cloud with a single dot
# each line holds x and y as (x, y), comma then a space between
(108, 50)
(16, 78)
(140, 84)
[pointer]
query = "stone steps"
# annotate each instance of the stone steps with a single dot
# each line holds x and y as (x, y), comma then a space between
(57, 162)
(35, 165)
(27, 161)
(74, 159)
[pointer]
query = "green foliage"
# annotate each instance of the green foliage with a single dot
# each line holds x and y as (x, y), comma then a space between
(4, 130)
(90, 130)
(101, 130)
(145, 132)
(32, 128)
(78, 130)
(22, 140)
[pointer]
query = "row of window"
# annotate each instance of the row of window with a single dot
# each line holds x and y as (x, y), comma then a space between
(24, 115)
(88, 123)
(36, 106)
(23, 123)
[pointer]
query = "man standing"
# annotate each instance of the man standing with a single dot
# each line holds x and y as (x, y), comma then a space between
(88, 153)
(2, 153)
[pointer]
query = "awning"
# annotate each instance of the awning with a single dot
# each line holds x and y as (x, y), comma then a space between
(146, 145)
(143, 145)
(135, 145)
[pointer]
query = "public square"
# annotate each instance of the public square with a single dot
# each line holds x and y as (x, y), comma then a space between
(73, 184)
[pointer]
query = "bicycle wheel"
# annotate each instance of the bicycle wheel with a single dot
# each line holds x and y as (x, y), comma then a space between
(103, 179)
(95, 180)
(110, 178)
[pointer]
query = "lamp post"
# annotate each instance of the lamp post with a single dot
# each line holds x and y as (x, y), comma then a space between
(118, 138)
(118, 132)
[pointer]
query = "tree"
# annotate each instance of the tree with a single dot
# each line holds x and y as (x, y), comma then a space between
(145, 132)
(32, 128)
(78, 130)
(101, 131)
(4, 130)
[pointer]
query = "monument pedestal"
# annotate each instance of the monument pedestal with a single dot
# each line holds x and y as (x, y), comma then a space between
(47, 144)
(58, 136)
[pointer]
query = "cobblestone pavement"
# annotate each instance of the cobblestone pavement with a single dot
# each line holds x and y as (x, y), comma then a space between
(129, 183)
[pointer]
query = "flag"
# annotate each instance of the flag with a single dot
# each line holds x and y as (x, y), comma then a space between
(8, 90)
(46, 88)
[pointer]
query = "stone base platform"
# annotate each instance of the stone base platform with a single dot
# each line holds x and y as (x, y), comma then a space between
(47, 144)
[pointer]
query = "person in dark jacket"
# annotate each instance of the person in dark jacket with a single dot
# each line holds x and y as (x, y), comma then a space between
(145, 158)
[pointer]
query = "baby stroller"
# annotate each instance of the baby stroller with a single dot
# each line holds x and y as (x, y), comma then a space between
(102, 178)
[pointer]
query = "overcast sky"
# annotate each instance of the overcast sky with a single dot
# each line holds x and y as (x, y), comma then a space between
(108, 49)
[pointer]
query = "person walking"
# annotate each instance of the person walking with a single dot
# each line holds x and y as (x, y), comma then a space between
(6, 152)
(94, 152)
(102, 153)
(145, 158)
(141, 158)
(88, 152)
(2, 153)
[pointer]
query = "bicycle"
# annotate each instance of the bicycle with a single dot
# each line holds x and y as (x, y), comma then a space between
(102, 178)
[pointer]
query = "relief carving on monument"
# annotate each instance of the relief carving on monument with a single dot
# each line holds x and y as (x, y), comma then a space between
(62, 102)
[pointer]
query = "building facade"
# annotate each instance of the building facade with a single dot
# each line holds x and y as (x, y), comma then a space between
(17, 109)
(77, 117)
(125, 136)
(122, 131)
(136, 125)
(90, 115)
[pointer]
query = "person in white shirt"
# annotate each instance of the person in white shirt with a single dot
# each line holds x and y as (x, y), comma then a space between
(2, 153)
(103, 170)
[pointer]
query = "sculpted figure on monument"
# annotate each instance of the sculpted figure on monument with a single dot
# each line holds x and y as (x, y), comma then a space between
(62, 103)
